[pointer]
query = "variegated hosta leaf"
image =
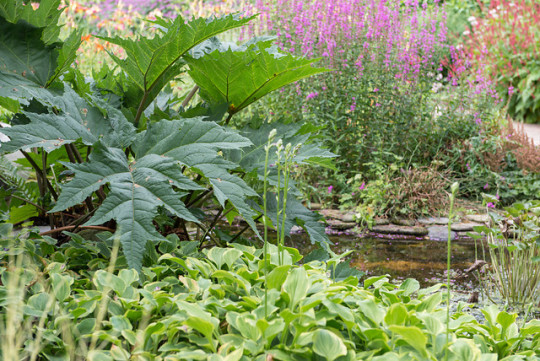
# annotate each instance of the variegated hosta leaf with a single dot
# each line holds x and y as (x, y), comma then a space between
(137, 189)
(195, 143)
(77, 120)
(240, 77)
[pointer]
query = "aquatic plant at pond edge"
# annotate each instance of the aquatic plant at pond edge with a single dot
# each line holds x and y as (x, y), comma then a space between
(514, 251)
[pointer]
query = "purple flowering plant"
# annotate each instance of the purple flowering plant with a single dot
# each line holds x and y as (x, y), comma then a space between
(395, 88)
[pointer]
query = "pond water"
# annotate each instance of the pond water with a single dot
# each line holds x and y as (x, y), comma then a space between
(401, 258)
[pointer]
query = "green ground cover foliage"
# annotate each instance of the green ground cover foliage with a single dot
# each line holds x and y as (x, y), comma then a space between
(193, 305)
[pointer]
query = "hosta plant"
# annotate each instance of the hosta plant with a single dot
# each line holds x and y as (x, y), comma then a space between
(119, 149)
(209, 306)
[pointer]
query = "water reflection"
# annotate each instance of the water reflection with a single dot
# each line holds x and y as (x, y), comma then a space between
(424, 260)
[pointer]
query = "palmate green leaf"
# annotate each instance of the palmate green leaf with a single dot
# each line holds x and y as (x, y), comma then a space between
(239, 78)
(151, 63)
(16, 91)
(137, 189)
(66, 55)
(78, 120)
(195, 143)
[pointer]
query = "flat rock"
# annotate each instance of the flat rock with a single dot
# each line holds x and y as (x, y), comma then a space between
(340, 225)
(479, 218)
(381, 221)
(348, 217)
(335, 214)
(464, 227)
(433, 220)
(405, 230)
(315, 206)
(404, 222)
(440, 233)
(330, 213)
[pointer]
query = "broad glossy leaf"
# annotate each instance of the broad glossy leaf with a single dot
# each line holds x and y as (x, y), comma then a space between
(137, 189)
(328, 345)
(151, 63)
(413, 336)
(396, 314)
(239, 78)
(296, 286)
(196, 143)
(78, 120)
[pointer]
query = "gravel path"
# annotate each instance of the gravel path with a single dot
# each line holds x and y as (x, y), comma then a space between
(533, 131)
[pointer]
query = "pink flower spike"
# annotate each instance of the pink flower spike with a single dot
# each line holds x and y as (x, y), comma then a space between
(486, 186)
(510, 90)
(362, 186)
(375, 90)
(311, 95)
(491, 205)
(330, 189)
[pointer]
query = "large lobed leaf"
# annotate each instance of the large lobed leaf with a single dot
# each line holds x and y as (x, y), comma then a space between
(22, 52)
(151, 63)
(195, 143)
(137, 189)
(78, 120)
(240, 77)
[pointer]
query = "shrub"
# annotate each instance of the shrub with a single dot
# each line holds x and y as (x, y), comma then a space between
(391, 94)
(504, 46)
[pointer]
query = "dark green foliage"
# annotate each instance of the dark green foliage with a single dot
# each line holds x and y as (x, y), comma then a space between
(131, 155)
(241, 77)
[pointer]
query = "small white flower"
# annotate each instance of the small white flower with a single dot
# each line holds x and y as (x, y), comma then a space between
(439, 76)
(436, 87)
(466, 32)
